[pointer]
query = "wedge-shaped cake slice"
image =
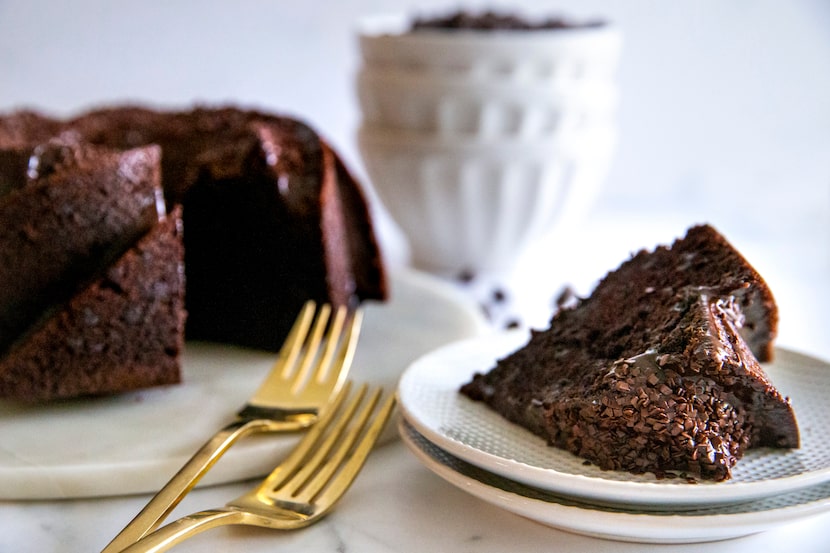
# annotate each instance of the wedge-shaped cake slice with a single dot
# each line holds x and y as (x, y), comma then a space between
(122, 331)
(72, 209)
(657, 371)
(91, 265)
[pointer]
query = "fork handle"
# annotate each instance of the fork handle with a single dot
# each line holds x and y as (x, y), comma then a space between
(183, 481)
(184, 528)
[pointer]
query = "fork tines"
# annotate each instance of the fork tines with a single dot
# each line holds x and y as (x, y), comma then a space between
(312, 364)
(327, 460)
(307, 335)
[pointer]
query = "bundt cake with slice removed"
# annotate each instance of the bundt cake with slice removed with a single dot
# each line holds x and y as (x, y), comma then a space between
(271, 215)
(657, 371)
(92, 300)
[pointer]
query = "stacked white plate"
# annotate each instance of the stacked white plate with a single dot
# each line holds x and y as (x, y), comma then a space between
(477, 450)
(479, 142)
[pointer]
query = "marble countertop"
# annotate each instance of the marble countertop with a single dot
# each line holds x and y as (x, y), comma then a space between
(707, 135)
(395, 506)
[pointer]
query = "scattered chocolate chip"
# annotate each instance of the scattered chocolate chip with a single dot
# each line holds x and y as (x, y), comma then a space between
(499, 295)
(466, 276)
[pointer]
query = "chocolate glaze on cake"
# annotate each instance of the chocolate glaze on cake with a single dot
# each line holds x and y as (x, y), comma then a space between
(19, 132)
(657, 370)
(271, 216)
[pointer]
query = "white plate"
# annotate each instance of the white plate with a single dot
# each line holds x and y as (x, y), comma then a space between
(135, 442)
(707, 523)
(430, 400)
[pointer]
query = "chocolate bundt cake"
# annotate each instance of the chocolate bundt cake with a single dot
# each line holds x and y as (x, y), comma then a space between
(657, 371)
(91, 264)
(271, 217)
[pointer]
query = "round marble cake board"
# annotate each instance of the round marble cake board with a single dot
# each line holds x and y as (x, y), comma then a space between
(133, 443)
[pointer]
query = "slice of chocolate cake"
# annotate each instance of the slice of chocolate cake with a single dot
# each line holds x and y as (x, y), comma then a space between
(657, 370)
(93, 293)
(123, 331)
(74, 209)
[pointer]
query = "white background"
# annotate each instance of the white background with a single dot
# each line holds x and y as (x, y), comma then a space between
(725, 114)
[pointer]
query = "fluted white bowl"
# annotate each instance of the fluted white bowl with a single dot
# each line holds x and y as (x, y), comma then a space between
(475, 205)
(555, 55)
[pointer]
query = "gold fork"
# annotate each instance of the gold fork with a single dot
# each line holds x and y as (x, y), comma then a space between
(310, 369)
(305, 486)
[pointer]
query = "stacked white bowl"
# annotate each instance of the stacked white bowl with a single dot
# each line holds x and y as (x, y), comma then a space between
(479, 142)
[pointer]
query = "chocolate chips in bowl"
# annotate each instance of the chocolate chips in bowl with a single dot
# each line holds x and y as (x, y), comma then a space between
(497, 21)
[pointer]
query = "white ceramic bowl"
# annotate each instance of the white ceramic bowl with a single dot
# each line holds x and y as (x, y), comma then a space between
(488, 108)
(559, 54)
(475, 205)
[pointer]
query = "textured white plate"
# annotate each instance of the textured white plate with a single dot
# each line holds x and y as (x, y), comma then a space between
(135, 442)
(706, 523)
(430, 401)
